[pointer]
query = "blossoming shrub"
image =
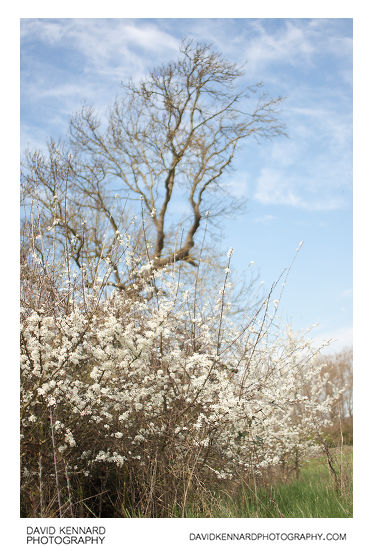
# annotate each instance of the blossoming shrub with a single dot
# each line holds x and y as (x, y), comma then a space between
(144, 401)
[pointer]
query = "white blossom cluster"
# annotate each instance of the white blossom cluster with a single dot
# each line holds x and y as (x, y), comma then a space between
(128, 379)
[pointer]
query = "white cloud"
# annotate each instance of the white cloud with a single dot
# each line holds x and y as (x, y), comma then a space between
(86, 61)
(50, 31)
(313, 169)
(273, 189)
(108, 46)
(32, 138)
(238, 186)
(308, 171)
(64, 90)
(295, 42)
(340, 338)
(281, 187)
(291, 43)
(317, 119)
(285, 153)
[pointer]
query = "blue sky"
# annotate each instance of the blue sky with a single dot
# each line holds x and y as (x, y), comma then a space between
(298, 188)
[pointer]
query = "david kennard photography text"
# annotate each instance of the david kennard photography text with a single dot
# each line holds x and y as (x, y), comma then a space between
(65, 534)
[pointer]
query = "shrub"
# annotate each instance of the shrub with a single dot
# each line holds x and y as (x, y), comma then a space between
(145, 399)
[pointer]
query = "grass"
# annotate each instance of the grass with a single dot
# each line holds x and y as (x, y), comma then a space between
(313, 495)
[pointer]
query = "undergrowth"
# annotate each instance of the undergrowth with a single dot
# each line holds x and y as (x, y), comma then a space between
(313, 495)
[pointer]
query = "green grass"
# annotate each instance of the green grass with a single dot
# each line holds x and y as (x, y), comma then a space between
(313, 495)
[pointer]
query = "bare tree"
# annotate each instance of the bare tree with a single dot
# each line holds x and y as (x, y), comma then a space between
(171, 137)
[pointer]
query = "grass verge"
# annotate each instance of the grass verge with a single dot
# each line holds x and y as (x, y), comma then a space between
(314, 495)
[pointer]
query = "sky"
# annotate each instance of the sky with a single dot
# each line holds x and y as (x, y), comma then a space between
(298, 188)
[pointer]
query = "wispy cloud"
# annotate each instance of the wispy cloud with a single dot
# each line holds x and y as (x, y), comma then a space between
(340, 338)
(289, 44)
(68, 61)
(107, 46)
(295, 42)
(237, 185)
(312, 170)
(274, 189)
(279, 187)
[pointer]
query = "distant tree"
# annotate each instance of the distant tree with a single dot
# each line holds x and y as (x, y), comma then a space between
(172, 136)
(339, 370)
